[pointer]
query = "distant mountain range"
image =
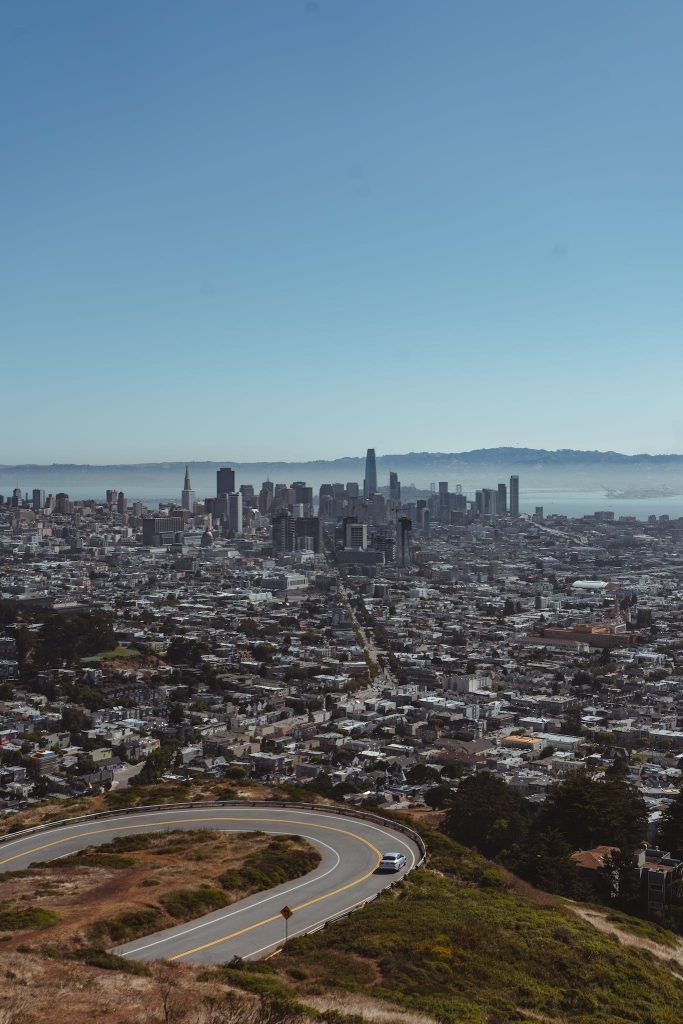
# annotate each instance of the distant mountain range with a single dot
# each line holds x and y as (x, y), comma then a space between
(538, 469)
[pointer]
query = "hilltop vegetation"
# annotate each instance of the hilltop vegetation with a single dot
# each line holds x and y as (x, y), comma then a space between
(459, 942)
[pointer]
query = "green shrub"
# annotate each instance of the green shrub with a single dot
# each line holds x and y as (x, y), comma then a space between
(88, 859)
(131, 924)
(185, 904)
(108, 961)
(14, 919)
(280, 861)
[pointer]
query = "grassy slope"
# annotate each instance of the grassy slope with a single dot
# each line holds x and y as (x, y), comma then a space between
(465, 946)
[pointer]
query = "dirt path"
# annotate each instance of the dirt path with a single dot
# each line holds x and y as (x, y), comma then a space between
(599, 920)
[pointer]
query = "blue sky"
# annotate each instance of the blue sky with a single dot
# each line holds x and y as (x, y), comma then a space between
(290, 230)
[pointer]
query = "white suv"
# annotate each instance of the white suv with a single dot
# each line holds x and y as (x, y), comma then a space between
(392, 862)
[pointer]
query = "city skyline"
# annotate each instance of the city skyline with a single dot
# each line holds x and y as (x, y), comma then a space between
(464, 207)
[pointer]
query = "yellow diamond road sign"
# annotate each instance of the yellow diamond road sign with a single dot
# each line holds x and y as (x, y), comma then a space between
(286, 913)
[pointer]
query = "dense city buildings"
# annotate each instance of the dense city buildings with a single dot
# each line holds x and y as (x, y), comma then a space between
(347, 636)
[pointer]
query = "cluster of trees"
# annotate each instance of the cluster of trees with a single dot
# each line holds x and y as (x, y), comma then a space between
(537, 844)
(65, 639)
(157, 763)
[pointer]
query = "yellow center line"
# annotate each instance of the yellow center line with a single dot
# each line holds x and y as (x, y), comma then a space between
(184, 821)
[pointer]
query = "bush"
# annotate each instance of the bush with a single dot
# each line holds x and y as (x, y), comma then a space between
(88, 859)
(14, 919)
(185, 904)
(108, 961)
(127, 926)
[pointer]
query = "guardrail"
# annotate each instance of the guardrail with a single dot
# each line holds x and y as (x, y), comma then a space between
(344, 812)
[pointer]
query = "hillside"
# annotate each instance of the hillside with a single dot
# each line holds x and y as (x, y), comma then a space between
(462, 942)
(458, 941)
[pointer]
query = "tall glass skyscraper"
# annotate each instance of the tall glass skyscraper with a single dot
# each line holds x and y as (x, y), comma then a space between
(225, 481)
(514, 495)
(370, 482)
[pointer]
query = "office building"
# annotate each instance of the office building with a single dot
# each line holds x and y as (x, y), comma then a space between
(502, 499)
(307, 534)
(394, 487)
(187, 498)
(403, 528)
(38, 499)
(356, 536)
(265, 498)
(370, 482)
(489, 501)
(235, 512)
(514, 495)
(63, 506)
(121, 504)
(225, 481)
(282, 532)
(160, 530)
(295, 534)
(303, 495)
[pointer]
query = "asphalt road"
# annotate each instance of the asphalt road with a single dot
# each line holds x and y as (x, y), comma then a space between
(346, 876)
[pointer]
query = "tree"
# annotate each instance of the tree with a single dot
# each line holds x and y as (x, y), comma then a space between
(158, 762)
(619, 881)
(176, 714)
(454, 770)
(545, 861)
(70, 637)
(439, 796)
(589, 812)
(421, 774)
(670, 836)
(182, 651)
(487, 814)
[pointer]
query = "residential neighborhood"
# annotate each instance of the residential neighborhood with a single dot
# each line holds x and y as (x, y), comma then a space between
(361, 644)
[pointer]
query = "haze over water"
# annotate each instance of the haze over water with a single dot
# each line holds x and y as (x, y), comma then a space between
(564, 502)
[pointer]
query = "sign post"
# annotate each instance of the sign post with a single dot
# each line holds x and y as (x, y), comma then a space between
(286, 913)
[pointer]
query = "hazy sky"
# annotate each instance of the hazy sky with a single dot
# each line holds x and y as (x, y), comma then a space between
(295, 229)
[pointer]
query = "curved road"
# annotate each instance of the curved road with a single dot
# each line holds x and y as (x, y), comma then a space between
(347, 876)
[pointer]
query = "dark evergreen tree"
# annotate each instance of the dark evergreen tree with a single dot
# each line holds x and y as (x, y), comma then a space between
(591, 812)
(670, 835)
(487, 814)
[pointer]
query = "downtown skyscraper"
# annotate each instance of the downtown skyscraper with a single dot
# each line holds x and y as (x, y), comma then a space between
(370, 482)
